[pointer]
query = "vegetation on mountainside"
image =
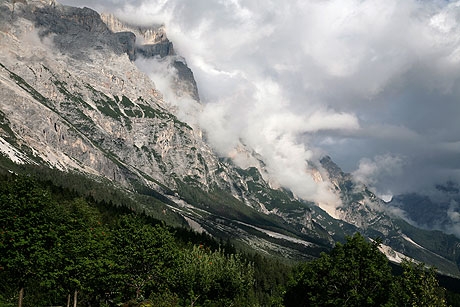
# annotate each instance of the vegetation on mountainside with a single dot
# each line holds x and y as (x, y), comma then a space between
(57, 241)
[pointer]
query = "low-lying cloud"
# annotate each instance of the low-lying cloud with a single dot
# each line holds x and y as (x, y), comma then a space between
(435, 208)
(368, 82)
(165, 76)
(379, 171)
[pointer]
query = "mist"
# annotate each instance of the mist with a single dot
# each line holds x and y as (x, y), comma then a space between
(374, 84)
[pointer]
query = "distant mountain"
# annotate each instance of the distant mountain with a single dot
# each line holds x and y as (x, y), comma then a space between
(436, 209)
(72, 99)
(362, 208)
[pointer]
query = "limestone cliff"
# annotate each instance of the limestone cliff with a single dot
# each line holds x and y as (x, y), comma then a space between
(152, 42)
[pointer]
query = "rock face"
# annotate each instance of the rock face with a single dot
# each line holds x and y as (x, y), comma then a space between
(373, 217)
(95, 99)
(360, 207)
(128, 41)
(153, 42)
(72, 98)
(155, 34)
(438, 209)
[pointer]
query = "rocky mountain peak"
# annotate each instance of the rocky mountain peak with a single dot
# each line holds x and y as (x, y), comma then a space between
(152, 42)
(333, 170)
(154, 34)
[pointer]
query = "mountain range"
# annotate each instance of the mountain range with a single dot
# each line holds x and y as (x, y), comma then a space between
(73, 99)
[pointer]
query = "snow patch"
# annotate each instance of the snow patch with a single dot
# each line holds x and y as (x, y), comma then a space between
(412, 241)
(278, 235)
(393, 255)
(12, 153)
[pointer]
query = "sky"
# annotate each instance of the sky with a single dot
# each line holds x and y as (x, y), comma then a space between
(372, 83)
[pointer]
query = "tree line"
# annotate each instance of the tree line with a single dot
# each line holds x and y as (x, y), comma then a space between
(59, 247)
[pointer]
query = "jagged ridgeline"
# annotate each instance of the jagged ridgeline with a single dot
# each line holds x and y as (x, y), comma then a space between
(73, 99)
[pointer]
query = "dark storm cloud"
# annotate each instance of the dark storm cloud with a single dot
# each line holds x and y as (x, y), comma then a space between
(374, 83)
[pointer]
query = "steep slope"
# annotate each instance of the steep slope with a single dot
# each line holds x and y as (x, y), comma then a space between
(72, 99)
(362, 208)
(437, 209)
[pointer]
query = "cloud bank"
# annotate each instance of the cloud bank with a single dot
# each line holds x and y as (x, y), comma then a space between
(358, 79)
(378, 171)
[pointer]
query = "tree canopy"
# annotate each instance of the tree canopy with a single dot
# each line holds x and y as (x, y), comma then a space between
(358, 274)
(56, 242)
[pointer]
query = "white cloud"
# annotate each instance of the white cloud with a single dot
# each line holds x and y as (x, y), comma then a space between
(355, 78)
(453, 213)
(164, 75)
(382, 167)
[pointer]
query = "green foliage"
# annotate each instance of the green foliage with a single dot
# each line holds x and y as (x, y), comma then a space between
(271, 276)
(353, 274)
(106, 105)
(212, 276)
(25, 239)
(125, 102)
(109, 108)
(418, 286)
(145, 256)
(54, 242)
(357, 274)
(453, 299)
(67, 233)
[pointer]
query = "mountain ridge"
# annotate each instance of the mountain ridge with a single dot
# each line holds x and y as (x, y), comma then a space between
(73, 99)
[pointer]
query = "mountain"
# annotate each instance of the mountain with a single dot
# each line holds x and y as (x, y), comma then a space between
(362, 208)
(437, 208)
(73, 99)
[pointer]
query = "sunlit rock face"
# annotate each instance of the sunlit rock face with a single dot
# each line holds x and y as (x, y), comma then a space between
(74, 99)
(72, 94)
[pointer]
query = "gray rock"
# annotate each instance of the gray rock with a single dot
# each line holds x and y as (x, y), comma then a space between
(162, 49)
(128, 41)
(153, 42)
(75, 31)
(186, 82)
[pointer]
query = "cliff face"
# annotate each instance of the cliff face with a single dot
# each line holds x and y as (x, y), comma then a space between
(360, 207)
(72, 98)
(373, 217)
(155, 34)
(151, 42)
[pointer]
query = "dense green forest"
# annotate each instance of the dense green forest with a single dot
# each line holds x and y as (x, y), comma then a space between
(57, 243)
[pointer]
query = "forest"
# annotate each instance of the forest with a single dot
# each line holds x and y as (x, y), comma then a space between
(60, 246)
